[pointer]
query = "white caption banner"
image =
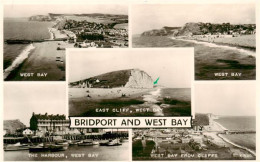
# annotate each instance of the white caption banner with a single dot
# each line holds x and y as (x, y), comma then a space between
(130, 122)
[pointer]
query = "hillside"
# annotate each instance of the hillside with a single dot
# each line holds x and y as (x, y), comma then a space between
(131, 78)
(12, 125)
(200, 28)
(190, 29)
(201, 119)
(162, 32)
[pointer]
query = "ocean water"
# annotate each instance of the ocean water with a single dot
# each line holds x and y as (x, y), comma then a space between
(21, 28)
(104, 153)
(241, 123)
(183, 94)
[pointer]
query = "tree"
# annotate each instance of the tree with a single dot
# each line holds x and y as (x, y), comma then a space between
(33, 123)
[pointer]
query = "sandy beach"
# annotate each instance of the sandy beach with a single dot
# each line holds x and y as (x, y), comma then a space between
(101, 93)
(45, 63)
(246, 41)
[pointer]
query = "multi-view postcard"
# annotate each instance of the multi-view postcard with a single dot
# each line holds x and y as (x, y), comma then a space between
(223, 35)
(224, 128)
(36, 128)
(35, 37)
(136, 82)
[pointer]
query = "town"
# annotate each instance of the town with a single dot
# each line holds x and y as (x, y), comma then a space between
(203, 141)
(88, 31)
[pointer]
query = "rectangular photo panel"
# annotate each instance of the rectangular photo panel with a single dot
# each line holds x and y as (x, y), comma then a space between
(36, 36)
(37, 128)
(223, 35)
(224, 128)
(120, 83)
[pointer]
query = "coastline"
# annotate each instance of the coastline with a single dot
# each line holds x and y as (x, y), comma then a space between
(243, 49)
(19, 60)
(44, 59)
(232, 143)
(40, 61)
(236, 145)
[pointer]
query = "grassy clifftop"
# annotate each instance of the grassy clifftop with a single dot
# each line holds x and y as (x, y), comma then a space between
(110, 79)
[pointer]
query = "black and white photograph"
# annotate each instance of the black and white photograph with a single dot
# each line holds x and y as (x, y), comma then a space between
(116, 83)
(224, 128)
(36, 36)
(36, 127)
(223, 35)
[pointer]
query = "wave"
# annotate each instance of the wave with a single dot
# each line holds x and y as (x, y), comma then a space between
(151, 100)
(18, 60)
(247, 52)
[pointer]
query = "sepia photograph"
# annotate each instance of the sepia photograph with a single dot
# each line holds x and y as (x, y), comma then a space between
(36, 36)
(36, 127)
(140, 82)
(224, 128)
(223, 35)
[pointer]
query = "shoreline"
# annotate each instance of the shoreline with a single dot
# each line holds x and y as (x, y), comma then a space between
(236, 145)
(19, 60)
(251, 51)
(232, 143)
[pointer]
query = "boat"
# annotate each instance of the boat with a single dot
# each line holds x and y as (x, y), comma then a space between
(95, 143)
(39, 148)
(114, 143)
(55, 148)
(85, 143)
(76, 142)
(65, 144)
(16, 147)
(104, 143)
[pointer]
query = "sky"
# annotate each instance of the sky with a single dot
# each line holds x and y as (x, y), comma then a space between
(21, 100)
(173, 66)
(30, 10)
(147, 17)
(231, 99)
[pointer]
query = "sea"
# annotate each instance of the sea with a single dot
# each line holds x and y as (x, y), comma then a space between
(74, 153)
(240, 123)
(22, 28)
(153, 97)
(210, 58)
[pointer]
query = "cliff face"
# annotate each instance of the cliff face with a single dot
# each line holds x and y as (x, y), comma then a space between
(186, 30)
(190, 29)
(139, 79)
(132, 78)
(40, 18)
(162, 32)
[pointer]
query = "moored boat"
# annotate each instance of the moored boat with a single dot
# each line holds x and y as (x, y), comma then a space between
(39, 148)
(85, 143)
(16, 147)
(114, 143)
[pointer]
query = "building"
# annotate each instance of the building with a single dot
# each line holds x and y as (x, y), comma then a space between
(49, 123)
(27, 132)
(45, 124)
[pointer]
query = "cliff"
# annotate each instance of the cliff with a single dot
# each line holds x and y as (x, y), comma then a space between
(162, 32)
(131, 78)
(40, 18)
(190, 29)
